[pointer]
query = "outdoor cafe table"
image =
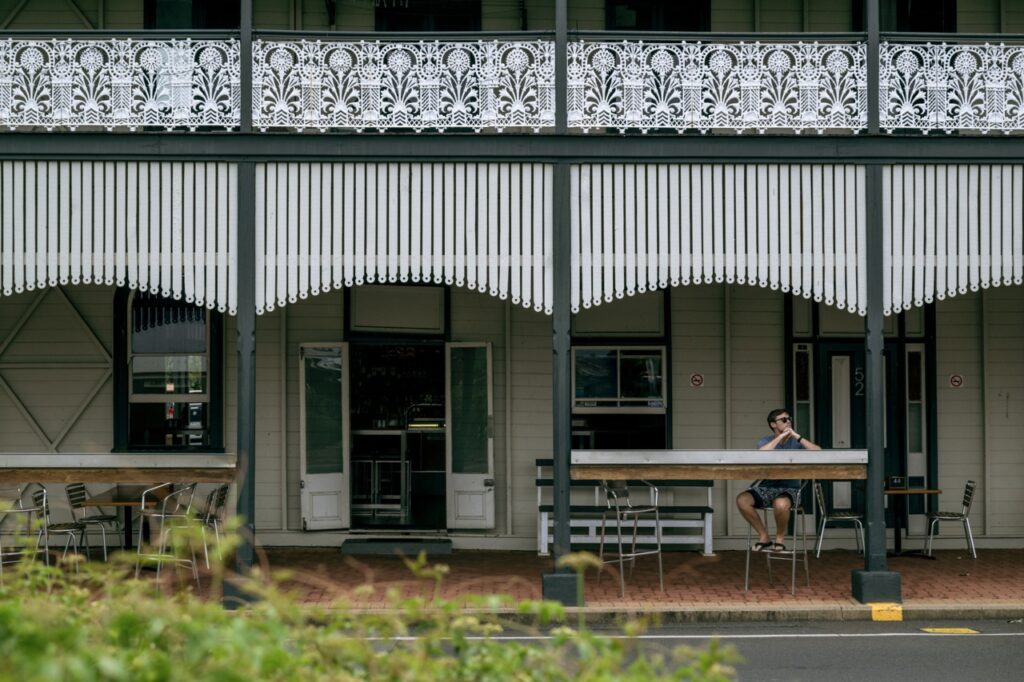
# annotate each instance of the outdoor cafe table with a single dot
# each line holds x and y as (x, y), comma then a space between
(713, 465)
(124, 501)
(899, 496)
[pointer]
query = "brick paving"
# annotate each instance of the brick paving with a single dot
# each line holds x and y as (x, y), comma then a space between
(324, 576)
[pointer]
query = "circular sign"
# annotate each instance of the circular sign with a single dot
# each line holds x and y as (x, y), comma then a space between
(956, 380)
(696, 380)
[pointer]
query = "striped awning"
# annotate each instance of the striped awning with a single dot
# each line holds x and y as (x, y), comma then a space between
(168, 227)
(483, 226)
(794, 228)
(951, 229)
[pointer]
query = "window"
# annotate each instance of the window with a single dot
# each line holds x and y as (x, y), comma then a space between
(169, 377)
(181, 14)
(658, 15)
(911, 16)
(621, 379)
(427, 15)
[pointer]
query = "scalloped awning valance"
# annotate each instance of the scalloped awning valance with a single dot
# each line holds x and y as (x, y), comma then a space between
(484, 226)
(167, 227)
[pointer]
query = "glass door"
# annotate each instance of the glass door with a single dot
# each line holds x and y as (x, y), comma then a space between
(324, 436)
(470, 447)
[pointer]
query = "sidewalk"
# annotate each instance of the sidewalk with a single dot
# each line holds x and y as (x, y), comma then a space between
(696, 587)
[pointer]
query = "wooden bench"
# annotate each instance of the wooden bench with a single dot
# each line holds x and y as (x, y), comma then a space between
(587, 517)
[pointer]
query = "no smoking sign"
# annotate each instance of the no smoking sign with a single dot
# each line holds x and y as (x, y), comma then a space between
(956, 380)
(696, 380)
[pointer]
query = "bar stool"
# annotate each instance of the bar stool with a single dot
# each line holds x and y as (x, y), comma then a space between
(791, 555)
(620, 508)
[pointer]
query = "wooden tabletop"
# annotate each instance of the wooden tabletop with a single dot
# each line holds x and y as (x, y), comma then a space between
(116, 501)
(912, 491)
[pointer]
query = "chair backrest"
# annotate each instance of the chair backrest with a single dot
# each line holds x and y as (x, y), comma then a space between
(40, 502)
(77, 497)
(179, 502)
(819, 495)
(10, 498)
(969, 496)
(218, 499)
(615, 492)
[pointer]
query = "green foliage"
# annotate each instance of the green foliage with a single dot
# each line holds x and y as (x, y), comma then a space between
(98, 623)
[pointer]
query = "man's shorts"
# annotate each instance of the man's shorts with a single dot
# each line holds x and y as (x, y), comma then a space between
(764, 495)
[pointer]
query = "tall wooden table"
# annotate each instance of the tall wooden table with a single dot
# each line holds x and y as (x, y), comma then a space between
(713, 465)
(899, 496)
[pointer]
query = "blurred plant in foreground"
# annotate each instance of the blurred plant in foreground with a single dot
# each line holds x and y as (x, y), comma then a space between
(85, 621)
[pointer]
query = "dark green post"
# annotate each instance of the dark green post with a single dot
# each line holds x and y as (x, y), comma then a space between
(875, 583)
(560, 585)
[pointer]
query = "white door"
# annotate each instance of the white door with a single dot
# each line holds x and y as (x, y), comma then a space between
(324, 435)
(470, 428)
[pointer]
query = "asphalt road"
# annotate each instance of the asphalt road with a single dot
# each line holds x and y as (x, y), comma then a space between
(831, 652)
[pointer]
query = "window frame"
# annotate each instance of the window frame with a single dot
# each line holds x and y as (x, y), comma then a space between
(658, 8)
(616, 405)
(124, 395)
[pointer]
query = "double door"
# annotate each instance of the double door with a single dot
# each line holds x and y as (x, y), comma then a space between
(326, 437)
(841, 413)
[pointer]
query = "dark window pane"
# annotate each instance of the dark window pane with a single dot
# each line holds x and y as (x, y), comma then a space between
(926, 16)
(914, 376)
(803, 376)
(161, 325)
(596, 374)
(163, 425)
(428, 15)
(640, 375)
(658, 15)
(166, 374)
(185, 14)
(324, 433)
(469, 386)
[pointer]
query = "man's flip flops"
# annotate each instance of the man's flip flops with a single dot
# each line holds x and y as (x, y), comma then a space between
(761, 546)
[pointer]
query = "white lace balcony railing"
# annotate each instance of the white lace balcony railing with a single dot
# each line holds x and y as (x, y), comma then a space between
(119, 83)
(945, 87)
(330, 85)
(718, 86)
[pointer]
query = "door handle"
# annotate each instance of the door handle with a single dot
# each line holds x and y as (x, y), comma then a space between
(488, 482)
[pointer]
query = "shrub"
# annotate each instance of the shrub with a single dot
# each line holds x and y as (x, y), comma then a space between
(100, 624)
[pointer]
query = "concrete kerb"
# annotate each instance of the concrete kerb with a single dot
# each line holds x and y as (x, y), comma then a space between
(599, 617)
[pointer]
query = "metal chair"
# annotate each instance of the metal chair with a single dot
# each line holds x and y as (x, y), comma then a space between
(855, 518)
(77, 498)
(173, 512)
(211, 517)
(961, 516)
(797, 517)
(16, 526)
(621, 509)
(73, 530)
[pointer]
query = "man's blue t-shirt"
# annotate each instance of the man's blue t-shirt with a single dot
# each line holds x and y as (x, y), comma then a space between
(791, 444)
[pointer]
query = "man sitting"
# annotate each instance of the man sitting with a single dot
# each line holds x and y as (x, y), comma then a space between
(779, 495)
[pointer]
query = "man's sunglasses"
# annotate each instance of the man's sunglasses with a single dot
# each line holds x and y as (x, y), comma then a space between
(785, 419)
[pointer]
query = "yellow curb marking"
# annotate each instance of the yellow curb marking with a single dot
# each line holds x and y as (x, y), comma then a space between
(886, 612)
(950, 631)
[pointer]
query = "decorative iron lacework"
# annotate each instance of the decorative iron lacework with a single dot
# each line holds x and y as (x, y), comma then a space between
(119, 83)
(952, 87)
(423, 85)
(701, 86)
